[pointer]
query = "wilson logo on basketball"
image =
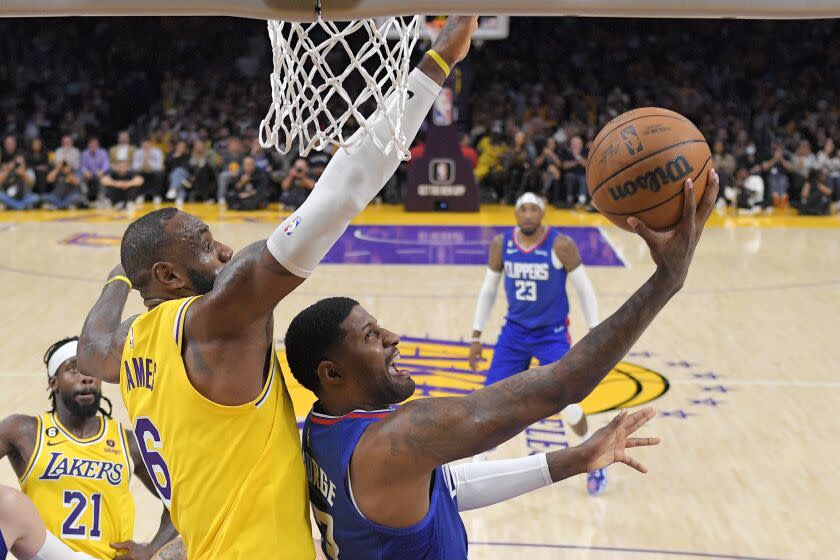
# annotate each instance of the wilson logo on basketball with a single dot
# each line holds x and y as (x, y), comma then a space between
(675, 170)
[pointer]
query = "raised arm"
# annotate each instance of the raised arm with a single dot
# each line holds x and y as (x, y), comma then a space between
(484, 483)
(253, 283)
(103, 334)
(429, 432)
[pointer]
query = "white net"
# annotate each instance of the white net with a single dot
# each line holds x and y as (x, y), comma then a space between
(331, 81)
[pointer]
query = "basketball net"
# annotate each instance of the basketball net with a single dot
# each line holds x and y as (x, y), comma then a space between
(331, 81)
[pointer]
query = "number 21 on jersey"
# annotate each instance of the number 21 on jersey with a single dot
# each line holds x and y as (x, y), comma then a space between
(526, 290)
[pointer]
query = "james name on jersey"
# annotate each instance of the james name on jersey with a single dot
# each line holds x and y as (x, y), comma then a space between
(140, 373)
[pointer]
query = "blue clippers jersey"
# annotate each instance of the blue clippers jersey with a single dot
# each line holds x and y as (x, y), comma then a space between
(3, 549)
(328, 444)
(536, 290)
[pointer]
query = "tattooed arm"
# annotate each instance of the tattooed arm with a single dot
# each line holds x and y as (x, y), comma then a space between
(103, 334)
(399, 453)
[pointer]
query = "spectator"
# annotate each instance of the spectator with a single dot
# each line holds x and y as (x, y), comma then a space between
(816, 195)
(202, 180)
(66, 191)
(548, 166)
(777, 170)
(69, 153)
(148, 162)
(250, 187)
(317, 162)
(231, 164)
(804, 162)
(518, 162)
(829, 159)
(16, 182)
(468, 151)
(121, 184)
(94, 166)
(178, 168)
(574, 171)
(748, 191)
(297, 185)
(123, 150)
(724, 163)
(490, 171)
(38, 160)
(10, 149)
(260, 157)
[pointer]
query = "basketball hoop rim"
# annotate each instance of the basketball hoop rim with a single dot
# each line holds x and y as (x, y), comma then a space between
(344, 10)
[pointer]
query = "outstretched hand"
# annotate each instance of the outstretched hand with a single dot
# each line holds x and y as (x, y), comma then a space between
(608, 445)
(673, 250)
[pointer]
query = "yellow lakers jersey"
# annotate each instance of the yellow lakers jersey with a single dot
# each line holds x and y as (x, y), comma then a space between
(80, 486)
(232, 476)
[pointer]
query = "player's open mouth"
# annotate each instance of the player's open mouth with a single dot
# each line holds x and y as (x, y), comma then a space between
(86, 397)
(393, 368)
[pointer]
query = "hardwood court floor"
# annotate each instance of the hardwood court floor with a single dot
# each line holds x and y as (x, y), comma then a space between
(741, 366)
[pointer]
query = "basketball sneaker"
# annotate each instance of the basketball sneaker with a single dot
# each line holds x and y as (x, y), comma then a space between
(596, 481)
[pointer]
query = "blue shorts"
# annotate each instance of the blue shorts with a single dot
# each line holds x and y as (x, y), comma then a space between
(517, 345)
(3, 549)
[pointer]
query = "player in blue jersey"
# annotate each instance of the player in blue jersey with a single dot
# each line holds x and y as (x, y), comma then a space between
(378, 476)
(535, 261)
(22, 532)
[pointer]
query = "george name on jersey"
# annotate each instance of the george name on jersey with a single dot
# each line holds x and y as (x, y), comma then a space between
(61, 466)
(527, 271)
(319, 479)
(140, 373)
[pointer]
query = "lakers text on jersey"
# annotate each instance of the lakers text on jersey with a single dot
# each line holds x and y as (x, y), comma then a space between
(80, 486)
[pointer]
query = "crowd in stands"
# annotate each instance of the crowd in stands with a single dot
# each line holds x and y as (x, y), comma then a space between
(99, 112)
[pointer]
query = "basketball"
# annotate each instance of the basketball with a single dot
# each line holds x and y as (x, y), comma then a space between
(638, 165)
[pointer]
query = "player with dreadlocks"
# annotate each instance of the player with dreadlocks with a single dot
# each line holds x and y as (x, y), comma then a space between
(75, 463)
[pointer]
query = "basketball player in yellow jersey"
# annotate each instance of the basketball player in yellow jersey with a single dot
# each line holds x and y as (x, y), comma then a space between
(198, 371)
(75, 464)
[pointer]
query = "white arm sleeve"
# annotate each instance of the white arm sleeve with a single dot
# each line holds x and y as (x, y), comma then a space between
(483, 484)
(54, 549)
(347, 185)
(586, 294)
(486, 299)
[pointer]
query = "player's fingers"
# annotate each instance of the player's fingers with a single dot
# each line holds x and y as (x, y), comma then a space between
(124, 545)
(642, 230)
(619, 418)
(689, 205)
(641, 442)
(631, 462)
(706, 205)
(639, 419)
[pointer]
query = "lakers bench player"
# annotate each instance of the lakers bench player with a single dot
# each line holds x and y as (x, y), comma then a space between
(198, 371)
(75, 464)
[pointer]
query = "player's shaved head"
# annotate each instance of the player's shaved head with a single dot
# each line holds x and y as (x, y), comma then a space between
(144, 243)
